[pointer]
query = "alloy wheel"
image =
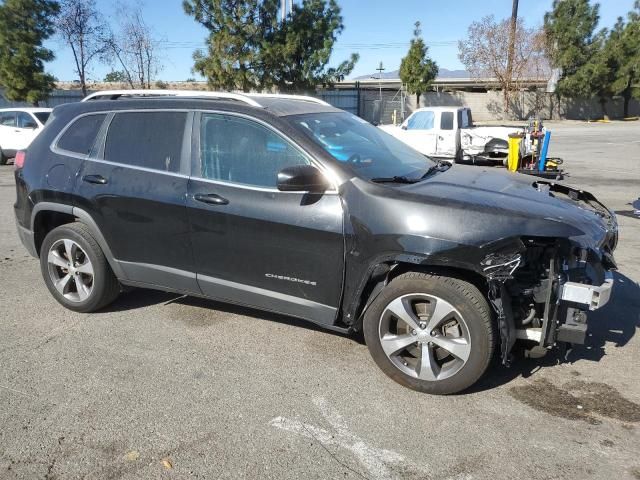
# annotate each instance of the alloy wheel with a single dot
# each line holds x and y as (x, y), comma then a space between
(70, 270)
(424, 336)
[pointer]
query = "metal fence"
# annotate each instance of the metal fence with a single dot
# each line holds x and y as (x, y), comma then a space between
(348, 100)
(58, 97)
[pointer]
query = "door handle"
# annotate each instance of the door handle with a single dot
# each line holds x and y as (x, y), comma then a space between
(210, 198)
(96, 179)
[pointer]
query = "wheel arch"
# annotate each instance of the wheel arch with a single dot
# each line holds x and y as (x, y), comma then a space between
(48, 215)
(383, 273)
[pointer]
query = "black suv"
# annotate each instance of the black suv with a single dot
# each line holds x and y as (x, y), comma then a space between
(290, 205)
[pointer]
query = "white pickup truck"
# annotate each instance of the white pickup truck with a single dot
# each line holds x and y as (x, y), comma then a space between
(449, 133)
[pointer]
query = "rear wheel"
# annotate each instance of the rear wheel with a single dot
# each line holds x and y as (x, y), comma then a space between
(3, 158)
(75, 270)
(431, 333)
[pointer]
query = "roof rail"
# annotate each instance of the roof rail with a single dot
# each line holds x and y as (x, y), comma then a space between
(114, 94)
(248, 98)
(303, 98)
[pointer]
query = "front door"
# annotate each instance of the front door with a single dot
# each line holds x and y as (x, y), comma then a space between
(418, 131)
(255, 245)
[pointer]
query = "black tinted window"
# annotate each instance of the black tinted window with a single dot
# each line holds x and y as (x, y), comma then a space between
(81, 135)
(238, 150)
(42, 116)
(446, 121)
(146, 139)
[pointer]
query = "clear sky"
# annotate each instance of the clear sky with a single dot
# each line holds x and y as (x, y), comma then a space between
(379, 30)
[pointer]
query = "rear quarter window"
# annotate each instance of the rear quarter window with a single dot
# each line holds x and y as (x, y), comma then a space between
(80, 136)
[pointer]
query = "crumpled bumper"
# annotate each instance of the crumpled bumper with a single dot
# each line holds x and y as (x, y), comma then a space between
(591, 296)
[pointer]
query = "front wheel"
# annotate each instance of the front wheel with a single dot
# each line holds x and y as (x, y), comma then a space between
(75, 270)
(431, 333)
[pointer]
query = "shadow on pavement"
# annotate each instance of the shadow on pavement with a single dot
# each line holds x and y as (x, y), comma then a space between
(616, 323)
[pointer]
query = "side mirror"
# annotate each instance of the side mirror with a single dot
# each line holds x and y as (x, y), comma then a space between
(302, 178)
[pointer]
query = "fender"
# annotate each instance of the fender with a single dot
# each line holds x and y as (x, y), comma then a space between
(85, 218)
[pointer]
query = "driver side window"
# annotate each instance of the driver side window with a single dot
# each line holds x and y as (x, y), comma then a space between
(238, 150)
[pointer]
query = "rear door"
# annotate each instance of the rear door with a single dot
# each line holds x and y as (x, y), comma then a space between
(419, 131)
(135, 192)
(448, 134)
(255, 245)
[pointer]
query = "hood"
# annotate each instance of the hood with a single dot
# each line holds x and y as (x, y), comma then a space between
(476, 205)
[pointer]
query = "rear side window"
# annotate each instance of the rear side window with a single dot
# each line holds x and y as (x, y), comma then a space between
(146, 139)
(446, 121)
(8, 119)
(81, 135)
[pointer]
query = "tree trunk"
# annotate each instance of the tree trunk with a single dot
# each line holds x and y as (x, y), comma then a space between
(603, 104)
(417, 100)
(626, 95)
(505, 94)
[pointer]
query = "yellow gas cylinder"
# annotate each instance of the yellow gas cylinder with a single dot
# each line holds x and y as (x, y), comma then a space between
(513, 159)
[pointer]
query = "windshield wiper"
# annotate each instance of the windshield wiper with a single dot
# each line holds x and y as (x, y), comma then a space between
(395, 179)
(440, 167)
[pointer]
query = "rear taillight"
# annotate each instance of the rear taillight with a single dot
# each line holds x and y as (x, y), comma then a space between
(18, 162)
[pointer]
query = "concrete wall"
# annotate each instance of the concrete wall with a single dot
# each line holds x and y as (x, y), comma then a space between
(490, 105)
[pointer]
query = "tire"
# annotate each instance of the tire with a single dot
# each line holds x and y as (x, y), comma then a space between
(3, 158)
(89, 284)
(442, 312)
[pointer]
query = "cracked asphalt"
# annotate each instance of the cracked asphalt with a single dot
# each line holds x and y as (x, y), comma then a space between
(163, 387)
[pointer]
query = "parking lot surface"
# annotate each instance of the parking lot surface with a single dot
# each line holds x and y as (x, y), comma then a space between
(158, 386)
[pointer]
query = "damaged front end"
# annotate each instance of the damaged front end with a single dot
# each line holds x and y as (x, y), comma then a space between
(543, 288)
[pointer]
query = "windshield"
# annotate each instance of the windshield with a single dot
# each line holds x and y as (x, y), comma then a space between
(366, 149)
(42, 116)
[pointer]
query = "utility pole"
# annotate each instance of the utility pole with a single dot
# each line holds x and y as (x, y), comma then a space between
(511, 52)
(380, 69)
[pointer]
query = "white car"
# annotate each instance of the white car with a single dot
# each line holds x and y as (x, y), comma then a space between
(18, 127)
(449, 133)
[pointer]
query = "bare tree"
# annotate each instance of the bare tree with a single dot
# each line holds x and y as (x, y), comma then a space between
(134, 49)
(82, 29)
(485, 53)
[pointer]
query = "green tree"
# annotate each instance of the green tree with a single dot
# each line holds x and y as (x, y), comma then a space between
(574, 47)
(623, 53)
(115, 76)
(24, 26)
(295, 53)
(231, 60)
(417, 70)
(251, 48)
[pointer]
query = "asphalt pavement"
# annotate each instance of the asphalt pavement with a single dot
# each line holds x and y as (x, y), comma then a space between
(158, 386)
